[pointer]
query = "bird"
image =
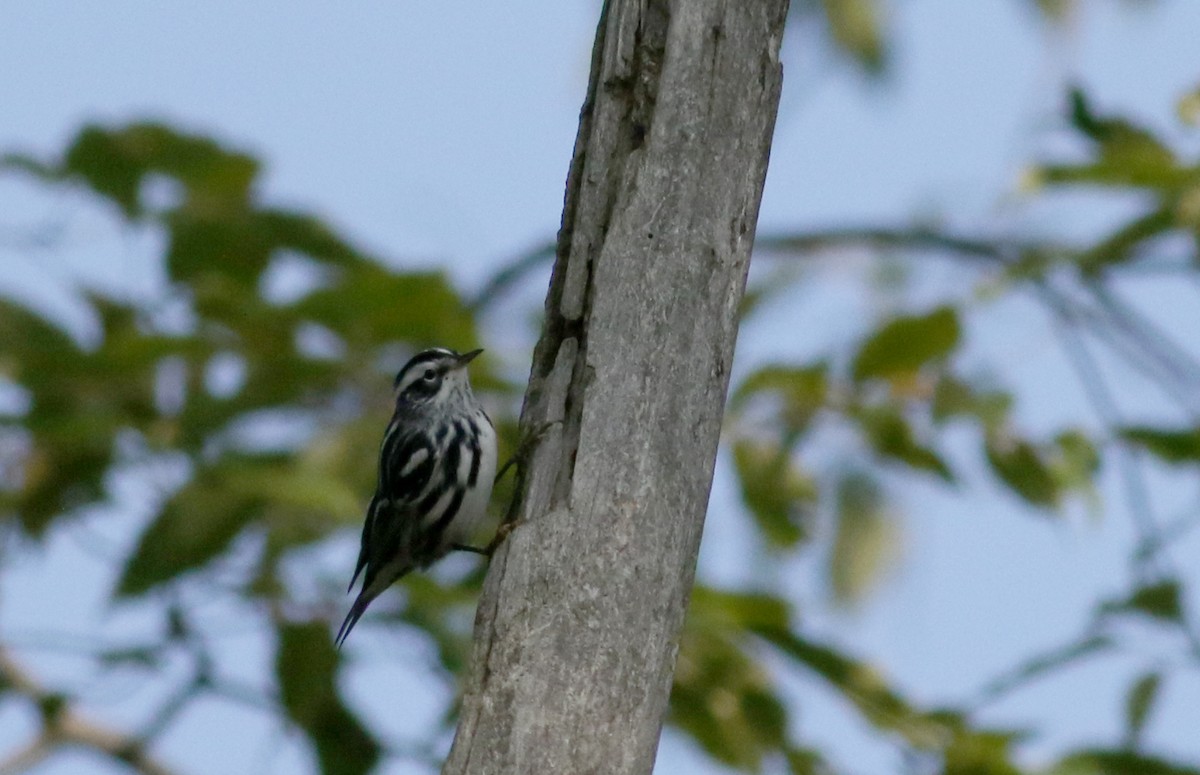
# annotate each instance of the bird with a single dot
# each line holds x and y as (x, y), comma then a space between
(437, 463)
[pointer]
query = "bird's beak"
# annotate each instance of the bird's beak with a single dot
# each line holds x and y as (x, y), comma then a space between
(466, 358)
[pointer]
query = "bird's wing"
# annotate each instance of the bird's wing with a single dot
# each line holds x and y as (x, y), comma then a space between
(406, 466)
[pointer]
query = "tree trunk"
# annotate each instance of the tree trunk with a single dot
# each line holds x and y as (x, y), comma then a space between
(580, 616)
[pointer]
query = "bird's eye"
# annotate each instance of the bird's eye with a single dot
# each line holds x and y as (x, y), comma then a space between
(429, 375)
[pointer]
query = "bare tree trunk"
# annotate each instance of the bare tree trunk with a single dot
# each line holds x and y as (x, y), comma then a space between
(579, 620)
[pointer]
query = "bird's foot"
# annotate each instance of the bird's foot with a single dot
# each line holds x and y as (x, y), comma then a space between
(501, 534)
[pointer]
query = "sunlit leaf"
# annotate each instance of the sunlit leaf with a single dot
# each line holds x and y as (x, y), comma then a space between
(865, 541)
(305, 667)
(856, 26)
(1118, 138)
(905, 344)
(953, 397)
(1126, 155)
(1056, 10)
(1188, 108)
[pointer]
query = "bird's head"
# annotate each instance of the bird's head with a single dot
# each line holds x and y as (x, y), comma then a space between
(434, 378)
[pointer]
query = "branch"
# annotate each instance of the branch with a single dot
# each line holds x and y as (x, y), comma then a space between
(511, 273)
(918, 238)
(63, 727)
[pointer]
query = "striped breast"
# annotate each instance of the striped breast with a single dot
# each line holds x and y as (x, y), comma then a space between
(456, 494)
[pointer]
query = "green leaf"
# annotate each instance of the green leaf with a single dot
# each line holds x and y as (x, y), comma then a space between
(981, 753)
(240, 243)
(1104, 762)
(905, 344)
(1162, 601)
(1077, 460)
(891, 436)
(856, 27)
(1126, 155)
(196, 525)
(305, 666)
(722, 697)
(115, 163)
(864, 687)
(865, 543)
(295, 501)
(727, 610)
(371, 306)
(234, 244)
(1055, 11)
(1115, 135)
(1138, 704)
(803, 391)
(806, 761)
(1168, 445)
(1020, 466)
(779, 495)
(953, 397)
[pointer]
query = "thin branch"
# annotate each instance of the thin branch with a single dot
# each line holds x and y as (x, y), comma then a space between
(1152, 547)
(914, 239)
(513, 271)
(1094, 385)
(1039, 666)
(1174, 361)
(64, 727)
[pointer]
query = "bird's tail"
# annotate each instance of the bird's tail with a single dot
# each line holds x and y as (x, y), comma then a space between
(374, 584)
(356, 611)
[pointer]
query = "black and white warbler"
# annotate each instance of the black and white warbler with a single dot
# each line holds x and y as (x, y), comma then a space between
(436, 469)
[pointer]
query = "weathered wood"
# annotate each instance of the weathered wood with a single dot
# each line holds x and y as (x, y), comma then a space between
(580, 616)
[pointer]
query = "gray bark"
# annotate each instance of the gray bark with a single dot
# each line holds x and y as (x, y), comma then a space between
(580, 616)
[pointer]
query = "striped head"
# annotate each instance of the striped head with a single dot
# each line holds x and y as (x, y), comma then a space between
(435, 380)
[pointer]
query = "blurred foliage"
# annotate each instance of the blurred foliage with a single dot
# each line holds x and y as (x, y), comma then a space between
(277, 435)
(855, 28)
(305, 666)
(269, 407)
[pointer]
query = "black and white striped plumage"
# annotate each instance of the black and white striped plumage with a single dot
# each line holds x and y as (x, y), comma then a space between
(436, 467)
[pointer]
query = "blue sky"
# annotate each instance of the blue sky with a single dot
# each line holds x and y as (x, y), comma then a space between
(438, 134)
